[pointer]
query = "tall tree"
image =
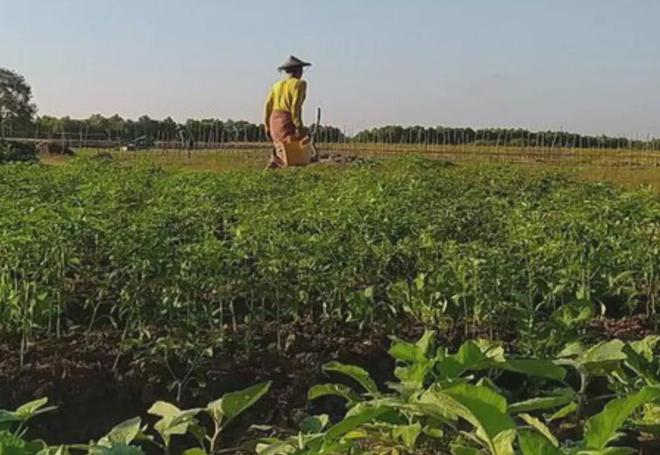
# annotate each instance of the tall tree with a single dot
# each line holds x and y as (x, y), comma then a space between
(16, 108)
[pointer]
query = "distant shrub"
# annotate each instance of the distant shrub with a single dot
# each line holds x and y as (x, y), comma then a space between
(17, 151)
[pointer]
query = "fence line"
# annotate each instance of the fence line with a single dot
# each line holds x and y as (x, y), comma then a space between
(450, 146)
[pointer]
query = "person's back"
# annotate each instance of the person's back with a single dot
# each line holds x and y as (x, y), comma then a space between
(288, 96)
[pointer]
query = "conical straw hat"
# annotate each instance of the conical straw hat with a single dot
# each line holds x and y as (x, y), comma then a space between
(293, 62)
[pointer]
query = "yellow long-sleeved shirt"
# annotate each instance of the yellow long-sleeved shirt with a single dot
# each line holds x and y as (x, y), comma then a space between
(287, 95)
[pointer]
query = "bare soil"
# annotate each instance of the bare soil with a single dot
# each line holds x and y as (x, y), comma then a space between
(77, 373)
(97, 384)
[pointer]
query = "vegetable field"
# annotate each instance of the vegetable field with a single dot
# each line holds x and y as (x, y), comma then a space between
(529, 300)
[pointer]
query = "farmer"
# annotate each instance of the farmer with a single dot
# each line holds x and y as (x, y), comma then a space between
(283, 113)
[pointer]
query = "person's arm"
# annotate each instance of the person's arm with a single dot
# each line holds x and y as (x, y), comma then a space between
(267, 112)
(298, 99)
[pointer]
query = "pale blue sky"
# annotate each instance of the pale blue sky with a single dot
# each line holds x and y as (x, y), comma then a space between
(582, 65)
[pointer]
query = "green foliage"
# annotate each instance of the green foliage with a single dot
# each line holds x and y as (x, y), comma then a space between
(11, 151)
(145, 130)
(16, 108)
(457, 407)
(601, 429)
(189, 262)
(128, 437)
(233, 404)
(98, 127)
(186, 264)
(513, 137)
(465, 411)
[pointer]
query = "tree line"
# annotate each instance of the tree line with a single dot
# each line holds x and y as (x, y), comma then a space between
(18, 120)
(395, 134)
(118, 129)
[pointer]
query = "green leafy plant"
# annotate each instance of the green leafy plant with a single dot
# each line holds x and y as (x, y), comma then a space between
(13, 428)
(447, 399)
(127, 437)
(478, 250)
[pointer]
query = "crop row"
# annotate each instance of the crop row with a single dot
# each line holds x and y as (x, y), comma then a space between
(440, 401)
(93, 245)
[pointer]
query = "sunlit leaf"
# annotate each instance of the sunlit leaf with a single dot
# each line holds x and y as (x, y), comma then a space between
(602, 428)
(540, 427)
(560, 398)
(533, 443)
(356, 373)
(234, 403)
(339, 390)
(350, 423)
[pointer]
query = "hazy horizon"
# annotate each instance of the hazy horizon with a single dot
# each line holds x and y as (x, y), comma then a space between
(588, 66)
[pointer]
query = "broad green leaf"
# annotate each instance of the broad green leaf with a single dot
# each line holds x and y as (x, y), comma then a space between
(173, 420)
(198, 431)
(602, 357)
(36, 446)
(609, 451)
(458, 449)
(483, 402)
(117, 449)
(8, 416)
(435, 404)
(415, 375)
(470, 354)
(650, 428)
(448, 368)
(33, 408)
(124, 433)
(356, 373)
(276, 448)
(12, 445)
(540, 427)
(194, 451)
(503, 443)
(350, 423)
(314, 424)
(478, 355)
(574, 313)
(485, 409)
(405, 351)
(339, 390)
(164, 409)
(408, 434)
(560, 397)
(533, 443)
(425, 343)
(646, 347)
(619, 451)
(435, 433)
(563, 412)
(185, 417)
(602, 428)
(641, 362)
(493, 350)
(572, 349)
(391, 407)
(232, 404)
(650, 421)
(355, 435)
(535, 367)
